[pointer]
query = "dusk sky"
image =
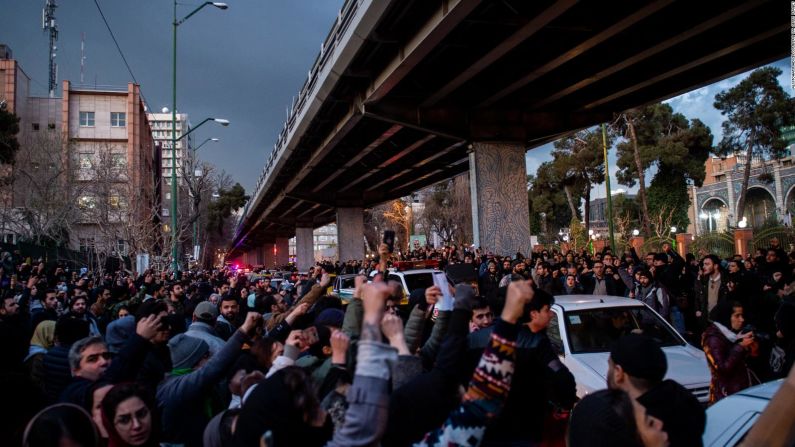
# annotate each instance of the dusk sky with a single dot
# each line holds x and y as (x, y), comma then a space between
(244, 64)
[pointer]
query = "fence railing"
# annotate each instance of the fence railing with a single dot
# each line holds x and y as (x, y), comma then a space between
(721, 244)
(785, 236)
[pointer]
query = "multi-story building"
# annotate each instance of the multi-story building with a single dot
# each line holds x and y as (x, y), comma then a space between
(598, 211)
(86, 165)
(325, 242)
(161, 132)
(770, 195)
(113, 150)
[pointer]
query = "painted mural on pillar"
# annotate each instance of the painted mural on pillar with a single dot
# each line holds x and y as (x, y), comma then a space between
(503, 218)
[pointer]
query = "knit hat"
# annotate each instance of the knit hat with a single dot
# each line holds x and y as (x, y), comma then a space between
(330, 317)
(639, 356)
(604, 418)
(206, 311)
(682, 415)
(118, 332)
(186, 351)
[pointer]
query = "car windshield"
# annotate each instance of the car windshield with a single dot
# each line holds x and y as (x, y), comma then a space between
(595, 330)
(347, 283)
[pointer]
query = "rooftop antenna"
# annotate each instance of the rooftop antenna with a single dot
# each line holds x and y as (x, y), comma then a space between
(82, 55)
(48, 24)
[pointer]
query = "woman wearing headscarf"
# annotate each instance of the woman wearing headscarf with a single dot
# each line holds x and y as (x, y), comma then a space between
(43, 339)
(727, 350)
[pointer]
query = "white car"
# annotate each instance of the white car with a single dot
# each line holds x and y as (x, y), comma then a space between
(732, 417)
(344, 285)
(584, 327)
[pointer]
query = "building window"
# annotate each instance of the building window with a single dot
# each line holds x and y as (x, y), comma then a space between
(86, 119)
(118, 119)
(118, 161)
(168, 196)
(51, 126)
(84, 160)
(121, 246)
(165, 213)
(114, 200)
(35, 126)
(86, 244)
(86, 202)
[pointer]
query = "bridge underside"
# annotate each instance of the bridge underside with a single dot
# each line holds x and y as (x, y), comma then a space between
(437, 76)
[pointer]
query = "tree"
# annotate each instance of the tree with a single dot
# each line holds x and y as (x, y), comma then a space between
(398, 213)
(756, 110)
(546, 195)
(116, 206)
(629, 154)
(447, 211)
(9, 128)
(676, 147)
(229, 200)
(45, 188)
(579, 161)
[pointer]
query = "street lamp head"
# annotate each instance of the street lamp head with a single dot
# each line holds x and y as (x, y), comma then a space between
(221, 121)
(215, 140)
(704, 215)
(635, 232)
(220, 5)
(673, 229)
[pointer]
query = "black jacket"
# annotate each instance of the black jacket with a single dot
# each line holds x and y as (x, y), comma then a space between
(588, 282)
(57, 373)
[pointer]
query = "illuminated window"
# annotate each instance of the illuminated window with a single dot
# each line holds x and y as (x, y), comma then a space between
(87, 202)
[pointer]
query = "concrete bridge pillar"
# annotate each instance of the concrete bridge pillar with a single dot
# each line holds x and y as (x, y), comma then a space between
(350, 233)
(282, 248)
(304, 248)
(498, 187)
(268, 260)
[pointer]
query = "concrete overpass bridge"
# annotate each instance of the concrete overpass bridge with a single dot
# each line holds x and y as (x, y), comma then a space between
(407, 93)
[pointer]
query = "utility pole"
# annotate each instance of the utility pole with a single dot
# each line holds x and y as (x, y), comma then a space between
(48, 24)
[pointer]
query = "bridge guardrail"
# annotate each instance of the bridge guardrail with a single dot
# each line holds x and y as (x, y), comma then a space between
(344, 20)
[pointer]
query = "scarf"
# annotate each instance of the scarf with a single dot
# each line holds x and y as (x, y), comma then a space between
(731, 336)
(43, 339)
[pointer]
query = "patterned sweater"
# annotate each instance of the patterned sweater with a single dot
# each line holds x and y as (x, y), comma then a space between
(485, 396)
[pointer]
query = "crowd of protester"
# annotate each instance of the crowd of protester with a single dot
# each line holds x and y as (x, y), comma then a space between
(221, 357)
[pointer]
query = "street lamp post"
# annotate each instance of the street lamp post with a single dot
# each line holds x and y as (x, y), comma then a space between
(221, 121)
(195, 207)
(176, 23)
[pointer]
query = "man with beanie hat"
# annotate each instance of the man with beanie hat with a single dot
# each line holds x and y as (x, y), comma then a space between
(184, 396)
(637, 366)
